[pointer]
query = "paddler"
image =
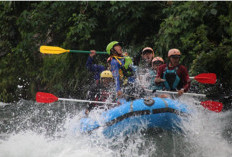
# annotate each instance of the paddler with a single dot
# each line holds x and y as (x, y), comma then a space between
(144, 57)
(120, 66)
(143, 63)
(174, 76)
(156, 62)
(102, 91)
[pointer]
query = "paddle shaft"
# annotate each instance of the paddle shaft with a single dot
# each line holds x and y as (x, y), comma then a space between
(42, 97)
(169, 92)
(87, 101)
(82, 51)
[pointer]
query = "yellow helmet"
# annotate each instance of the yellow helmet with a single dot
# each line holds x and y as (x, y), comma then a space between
(106, 74)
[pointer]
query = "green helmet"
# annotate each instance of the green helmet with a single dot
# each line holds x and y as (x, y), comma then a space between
(111, 45)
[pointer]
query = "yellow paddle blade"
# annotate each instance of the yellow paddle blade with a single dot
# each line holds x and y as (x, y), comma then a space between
(52, 50)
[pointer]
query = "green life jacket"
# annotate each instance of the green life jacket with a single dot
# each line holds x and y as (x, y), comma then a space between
(127, 71)
(172, 79)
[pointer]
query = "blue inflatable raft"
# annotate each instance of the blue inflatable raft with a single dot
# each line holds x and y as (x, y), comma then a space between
(147, 113)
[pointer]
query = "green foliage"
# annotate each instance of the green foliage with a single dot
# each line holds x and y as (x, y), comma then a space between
(201, 30)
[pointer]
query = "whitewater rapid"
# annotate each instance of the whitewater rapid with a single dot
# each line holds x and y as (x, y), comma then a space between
(46, 130)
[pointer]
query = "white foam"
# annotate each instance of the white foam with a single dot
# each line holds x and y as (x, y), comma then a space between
(204, 133)
(203, 136)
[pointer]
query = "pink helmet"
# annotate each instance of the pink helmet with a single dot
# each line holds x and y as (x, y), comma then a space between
(147, 49)
(174, 52)
(158, 59)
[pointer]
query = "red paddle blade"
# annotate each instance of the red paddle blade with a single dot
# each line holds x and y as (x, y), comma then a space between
(212, 105)
(45, 97)
(207, 78)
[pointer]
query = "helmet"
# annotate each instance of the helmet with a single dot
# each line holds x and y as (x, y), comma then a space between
(174, 52)
(147, 49)
(106, 74)
(158, 59)
(111, 45)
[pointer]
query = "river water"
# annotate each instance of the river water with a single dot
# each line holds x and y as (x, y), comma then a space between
(30, 129)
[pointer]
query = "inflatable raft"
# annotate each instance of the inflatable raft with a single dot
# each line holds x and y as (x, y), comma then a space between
(146, 113)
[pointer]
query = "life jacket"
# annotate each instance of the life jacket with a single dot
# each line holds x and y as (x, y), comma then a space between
(172, 79)
(125, 70)
(103, 95)
(98, 93)
(153, 85)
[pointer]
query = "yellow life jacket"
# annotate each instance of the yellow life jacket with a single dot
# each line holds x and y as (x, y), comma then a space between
(120, 70)
(125, 71)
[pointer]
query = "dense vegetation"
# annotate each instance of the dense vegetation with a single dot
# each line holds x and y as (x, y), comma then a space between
(201, 30)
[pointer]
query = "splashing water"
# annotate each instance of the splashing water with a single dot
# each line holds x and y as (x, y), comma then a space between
(34, 130)
(206, 132)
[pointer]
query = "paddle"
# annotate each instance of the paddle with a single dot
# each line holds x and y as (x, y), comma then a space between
(206, 78)
(210, 105)
(42, 97)
(171, 92)
(59, 50)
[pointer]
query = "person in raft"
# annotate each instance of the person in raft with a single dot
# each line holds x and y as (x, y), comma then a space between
(102, 91)
(120, 66)
(174, 76)
(142, 63)
(144, 57)
(156, 62)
